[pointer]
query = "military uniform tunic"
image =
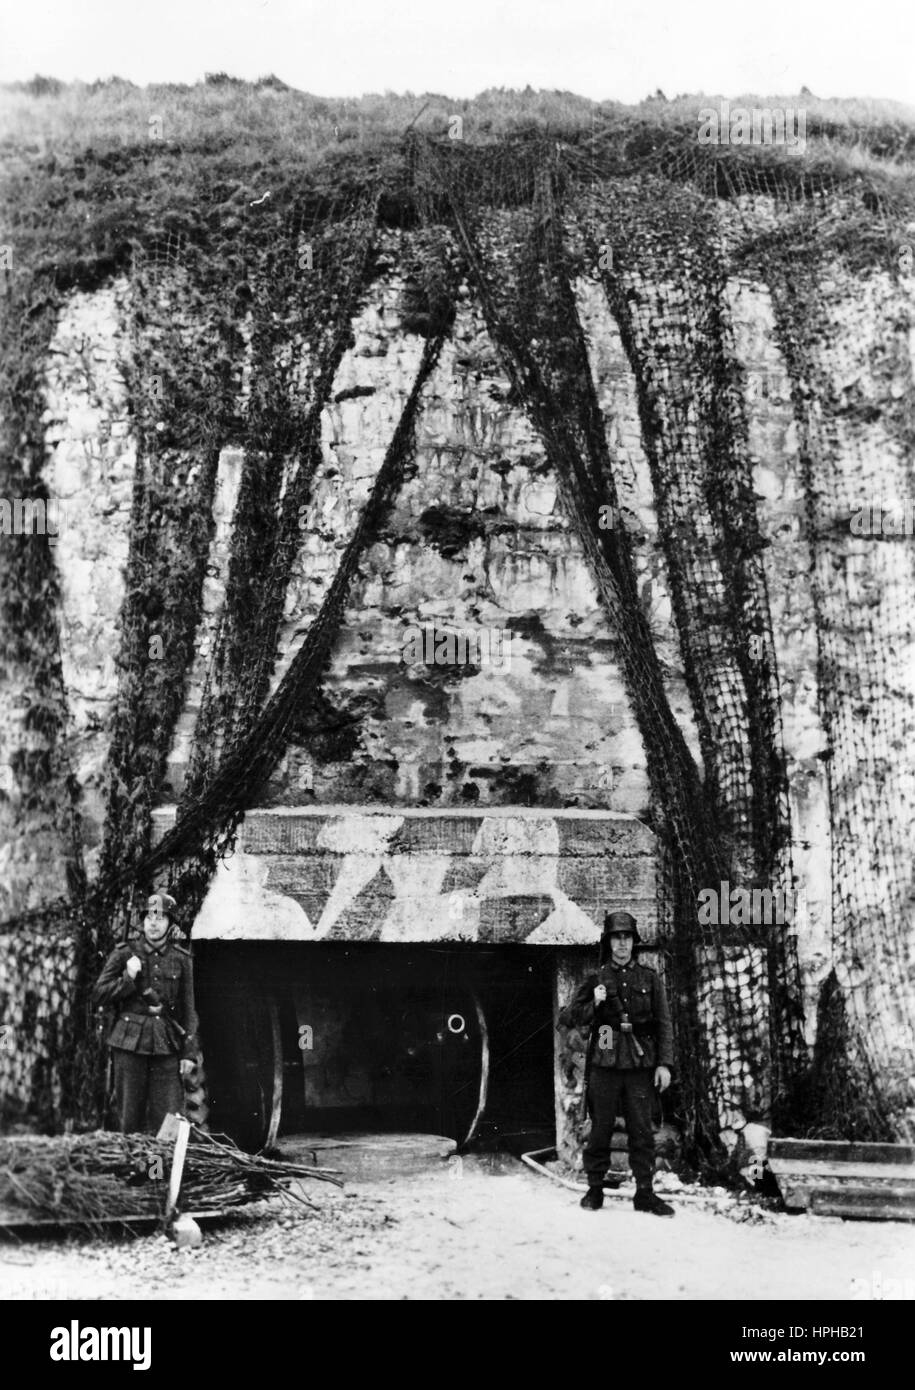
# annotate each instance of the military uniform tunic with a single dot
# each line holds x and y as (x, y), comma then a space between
(155, 1025)
(621, 1064)
(632, 989)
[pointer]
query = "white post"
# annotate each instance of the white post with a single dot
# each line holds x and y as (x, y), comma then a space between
(174, 1181)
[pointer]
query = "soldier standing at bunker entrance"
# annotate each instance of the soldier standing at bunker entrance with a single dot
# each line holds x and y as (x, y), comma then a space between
(149, 979)
(630, 1049)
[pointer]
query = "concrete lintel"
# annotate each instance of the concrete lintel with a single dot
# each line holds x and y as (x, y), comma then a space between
(355, 873)
(410, 829)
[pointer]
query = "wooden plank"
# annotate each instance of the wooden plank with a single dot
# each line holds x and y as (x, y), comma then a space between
(864, 1204)
(866, 1172)
(840, 1151)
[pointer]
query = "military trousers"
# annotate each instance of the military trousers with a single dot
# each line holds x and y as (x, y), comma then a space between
(146, 1089)
(613, 1091)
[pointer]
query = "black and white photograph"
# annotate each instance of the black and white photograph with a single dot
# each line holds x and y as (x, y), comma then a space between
(457, 666)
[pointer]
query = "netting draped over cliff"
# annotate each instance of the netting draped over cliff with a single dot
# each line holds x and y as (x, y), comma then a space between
(524, 262)
(834, 330)
(292, 355)
(526, 224)
(306, 281)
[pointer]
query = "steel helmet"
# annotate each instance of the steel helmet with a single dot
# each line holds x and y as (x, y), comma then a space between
(614, 924)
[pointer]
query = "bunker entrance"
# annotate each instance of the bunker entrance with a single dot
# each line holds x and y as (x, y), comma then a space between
(363, 1037)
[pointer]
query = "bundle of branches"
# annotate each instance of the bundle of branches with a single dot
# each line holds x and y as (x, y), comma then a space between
(88, 1179)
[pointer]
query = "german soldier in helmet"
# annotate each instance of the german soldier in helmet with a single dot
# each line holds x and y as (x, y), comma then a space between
(630, 1050)
(150, 981)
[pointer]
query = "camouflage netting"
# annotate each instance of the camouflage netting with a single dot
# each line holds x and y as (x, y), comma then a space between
(831, 327)
(37, 978)
(663, 231)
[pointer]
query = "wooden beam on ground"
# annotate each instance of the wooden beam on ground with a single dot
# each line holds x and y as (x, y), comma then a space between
(830, 1177)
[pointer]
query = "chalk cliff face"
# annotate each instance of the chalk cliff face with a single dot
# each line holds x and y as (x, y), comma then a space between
(476, 542)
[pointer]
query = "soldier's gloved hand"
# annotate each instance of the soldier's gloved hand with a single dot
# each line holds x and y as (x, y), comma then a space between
(600, 994)
(152, 997)
(661, 1078)
(134, 966)
(186, 1066)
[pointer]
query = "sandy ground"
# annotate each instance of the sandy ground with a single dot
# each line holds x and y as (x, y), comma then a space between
(482, 1235)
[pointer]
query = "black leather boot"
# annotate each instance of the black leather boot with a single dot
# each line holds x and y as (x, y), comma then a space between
(593, 1199)
(650, 1201)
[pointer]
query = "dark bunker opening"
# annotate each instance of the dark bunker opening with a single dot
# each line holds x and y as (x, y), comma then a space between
(455, 1040)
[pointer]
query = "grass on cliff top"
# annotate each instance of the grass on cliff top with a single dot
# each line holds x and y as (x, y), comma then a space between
(88, 167)
(46, 116)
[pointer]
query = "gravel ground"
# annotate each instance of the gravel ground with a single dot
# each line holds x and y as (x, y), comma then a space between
(475, 1233)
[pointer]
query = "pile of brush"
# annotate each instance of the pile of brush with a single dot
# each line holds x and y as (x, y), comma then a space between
(91, 1179)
